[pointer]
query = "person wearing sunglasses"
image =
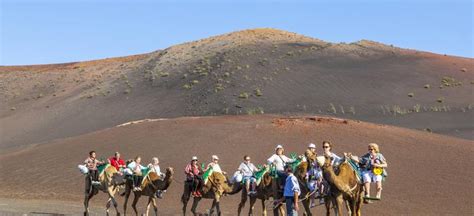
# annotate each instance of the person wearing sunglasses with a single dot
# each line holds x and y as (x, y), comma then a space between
(248, 172)
(327, 151)
(373, 166)
(193, 176)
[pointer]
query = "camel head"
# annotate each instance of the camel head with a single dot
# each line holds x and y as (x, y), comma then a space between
(310, 156)
(327, 162)
(169, 172)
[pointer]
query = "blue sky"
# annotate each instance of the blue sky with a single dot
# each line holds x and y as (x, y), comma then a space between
(55, 31)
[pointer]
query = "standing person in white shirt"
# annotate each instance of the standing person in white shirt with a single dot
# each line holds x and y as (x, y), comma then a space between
(291, 192)
(248, 172)
(279, 160)
(215, 165)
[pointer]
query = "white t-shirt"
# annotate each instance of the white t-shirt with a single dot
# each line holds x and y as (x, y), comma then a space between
(215, 167)
(155, 168)
(279, 161)
(133, 166)
(247, 169)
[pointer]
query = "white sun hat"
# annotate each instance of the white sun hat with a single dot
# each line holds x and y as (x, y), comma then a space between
(278, 147)
(311, 145)
(214, 157)
(194, 158)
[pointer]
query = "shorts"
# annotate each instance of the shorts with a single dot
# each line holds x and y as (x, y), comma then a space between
(369, 177)
(249, 178)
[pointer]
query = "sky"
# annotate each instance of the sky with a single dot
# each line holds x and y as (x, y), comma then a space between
(58, 31)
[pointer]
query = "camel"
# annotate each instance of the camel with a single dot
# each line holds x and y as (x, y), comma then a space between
(263, 192)
(151, 184)
(110, 181)
(216, 186)
(344, 186)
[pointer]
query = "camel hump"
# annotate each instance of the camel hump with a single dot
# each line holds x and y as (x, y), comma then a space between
(154, 176)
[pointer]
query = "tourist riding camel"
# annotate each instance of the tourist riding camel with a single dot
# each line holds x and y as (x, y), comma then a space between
(314, 176)
(373, 166)
(154, 166)
(92, 162)
(279, 160)
(136, 169)
(215, 165)
(193, 175)
(248, 172)
(117, 162)
(327, 148)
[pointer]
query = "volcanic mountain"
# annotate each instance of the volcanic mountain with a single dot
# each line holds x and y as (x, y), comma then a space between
(240, 73)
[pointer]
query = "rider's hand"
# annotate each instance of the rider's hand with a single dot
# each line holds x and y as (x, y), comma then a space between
(297, 208)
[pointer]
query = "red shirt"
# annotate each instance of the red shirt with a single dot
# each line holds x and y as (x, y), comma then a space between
(117, 163)
(192, 171)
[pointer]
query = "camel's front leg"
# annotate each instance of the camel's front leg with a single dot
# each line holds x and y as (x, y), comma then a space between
(195, 204)
(87, 197)
(111, 192)
(339, 204)
(253, 199)
(148, 206)
(155, 206)
(264, 208)
(135, 201)
(127, 195)
(243, 200)
(306, 206)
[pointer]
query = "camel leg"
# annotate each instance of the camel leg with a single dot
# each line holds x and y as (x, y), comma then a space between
(339, 204)
(127, 195)
(136, 197)
(307, 209)
(243, 200)
(86, 203)
(211, 210)
(148, 205)
(154, 206)
(264, 208)
(327, 204)
(111, 193)
(218, 207)
(195, 204)
(185, 197)
(107, 206)
(253, 199)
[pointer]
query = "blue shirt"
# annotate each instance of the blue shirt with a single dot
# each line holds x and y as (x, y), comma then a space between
(291, 186)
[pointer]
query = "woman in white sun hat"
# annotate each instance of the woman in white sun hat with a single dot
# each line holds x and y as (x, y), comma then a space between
(215, 165)
(279, 160)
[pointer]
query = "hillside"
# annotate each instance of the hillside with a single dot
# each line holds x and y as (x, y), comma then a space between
(245, 72)
(427, 172)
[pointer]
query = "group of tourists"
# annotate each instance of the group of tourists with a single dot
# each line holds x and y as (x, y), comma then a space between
(371, 165)
(314, 177)
(132, 169)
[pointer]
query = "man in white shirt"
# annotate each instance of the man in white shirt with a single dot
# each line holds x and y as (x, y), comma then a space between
(291, 193)
(248, 170)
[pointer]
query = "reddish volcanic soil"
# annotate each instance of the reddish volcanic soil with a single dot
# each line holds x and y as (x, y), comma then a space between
(429, 174)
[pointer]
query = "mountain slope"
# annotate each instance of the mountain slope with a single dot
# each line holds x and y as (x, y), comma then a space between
(245, 72)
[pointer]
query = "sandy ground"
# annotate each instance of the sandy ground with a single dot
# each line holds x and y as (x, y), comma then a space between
(429, 174)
